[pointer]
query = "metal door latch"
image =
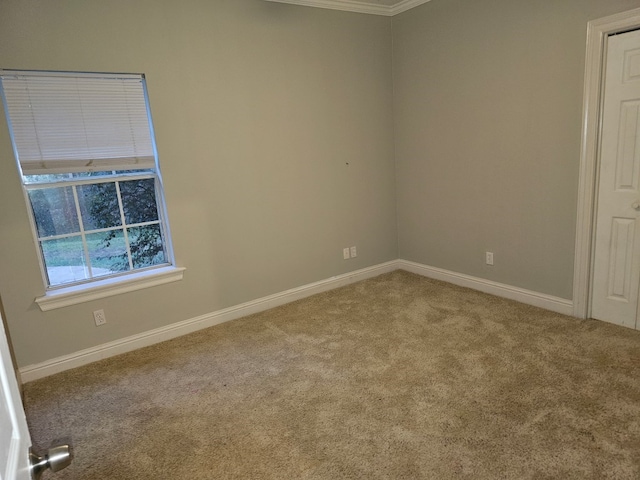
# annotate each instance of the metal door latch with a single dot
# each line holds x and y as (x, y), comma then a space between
(56, 459)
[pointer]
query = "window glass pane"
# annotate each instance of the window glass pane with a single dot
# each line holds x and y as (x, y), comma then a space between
(134, 172)
(107, 252)
(64, 260)
(99, 206)
(51, 177)
(54, 210)
(59, 177)
(139, 201)
(78, 175)
(146, 246)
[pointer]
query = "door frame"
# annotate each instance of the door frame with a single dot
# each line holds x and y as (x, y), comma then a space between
(597, 33)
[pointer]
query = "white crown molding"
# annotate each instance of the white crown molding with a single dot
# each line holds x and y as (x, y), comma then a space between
(358, 7)
(344, 5)
(405, 5)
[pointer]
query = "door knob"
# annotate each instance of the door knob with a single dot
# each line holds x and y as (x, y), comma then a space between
(56, 459)
(636, 205)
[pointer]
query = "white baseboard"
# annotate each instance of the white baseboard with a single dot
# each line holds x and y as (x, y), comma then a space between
(548, 302)
(128, 344)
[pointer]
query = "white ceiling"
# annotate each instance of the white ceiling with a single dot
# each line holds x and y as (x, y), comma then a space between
(374, 7)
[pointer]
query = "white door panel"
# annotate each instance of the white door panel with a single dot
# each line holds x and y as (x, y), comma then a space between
(14, 435)
(17, 462)
(616, 273)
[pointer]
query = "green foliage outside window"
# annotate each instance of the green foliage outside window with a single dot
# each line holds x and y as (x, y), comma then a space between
(107, 227)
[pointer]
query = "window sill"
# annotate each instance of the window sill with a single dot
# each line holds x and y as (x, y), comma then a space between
(76, 294)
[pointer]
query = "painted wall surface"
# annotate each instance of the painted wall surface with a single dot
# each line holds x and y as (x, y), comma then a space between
(258, 108)
(488, 111)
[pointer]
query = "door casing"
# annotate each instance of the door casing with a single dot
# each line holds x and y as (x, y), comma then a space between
(597, 33)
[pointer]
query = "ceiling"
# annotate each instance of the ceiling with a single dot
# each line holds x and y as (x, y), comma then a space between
(375, 7)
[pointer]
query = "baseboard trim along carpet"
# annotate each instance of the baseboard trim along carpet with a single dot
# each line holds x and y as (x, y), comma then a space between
(128, 344)
(151, 337)
(548, 302)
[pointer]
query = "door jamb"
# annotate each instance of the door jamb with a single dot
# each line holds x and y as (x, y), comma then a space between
(597, 33)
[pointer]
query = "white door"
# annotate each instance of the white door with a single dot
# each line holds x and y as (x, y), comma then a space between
(14, 435)
(616, 270)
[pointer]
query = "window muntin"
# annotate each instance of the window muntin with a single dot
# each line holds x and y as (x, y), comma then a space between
(84, 146)
(97, 226)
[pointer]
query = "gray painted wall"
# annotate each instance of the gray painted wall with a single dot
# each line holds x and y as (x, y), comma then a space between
(484, 109)
(488, 111)
(257, 107)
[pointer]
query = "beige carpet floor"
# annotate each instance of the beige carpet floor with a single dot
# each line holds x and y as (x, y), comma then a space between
(396, 377)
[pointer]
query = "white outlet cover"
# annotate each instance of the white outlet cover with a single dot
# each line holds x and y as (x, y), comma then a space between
(489, 258)
(99, 317)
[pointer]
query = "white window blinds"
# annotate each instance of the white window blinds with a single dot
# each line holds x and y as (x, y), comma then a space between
(78, 122)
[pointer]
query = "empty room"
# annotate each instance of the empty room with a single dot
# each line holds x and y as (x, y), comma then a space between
(320, 239)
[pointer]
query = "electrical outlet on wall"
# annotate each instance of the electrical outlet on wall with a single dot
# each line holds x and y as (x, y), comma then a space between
(99, 317)
(345, 253)
(489, 258)
(354, 252)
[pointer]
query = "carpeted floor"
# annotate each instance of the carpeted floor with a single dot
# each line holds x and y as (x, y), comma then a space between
(396, 377)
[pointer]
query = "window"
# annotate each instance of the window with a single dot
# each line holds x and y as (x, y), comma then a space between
(84, 146)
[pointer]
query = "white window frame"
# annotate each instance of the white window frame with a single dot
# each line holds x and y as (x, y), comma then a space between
(58, 296)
